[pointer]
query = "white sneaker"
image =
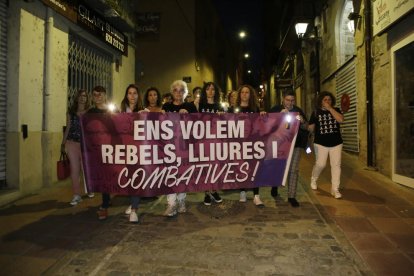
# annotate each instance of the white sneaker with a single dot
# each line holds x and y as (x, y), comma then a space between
(181, 206)
(170, 211)
(336, 194)
(75, 200)
(313, 184)
(243, 196)
(257, 201)
(91, 195)
(133, 217)
(128, 210)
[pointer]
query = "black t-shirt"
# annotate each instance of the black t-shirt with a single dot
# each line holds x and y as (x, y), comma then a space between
(246, 109)
(210, 108)
(327, 129)
(170, 107)
(97, 110)
(302, 138)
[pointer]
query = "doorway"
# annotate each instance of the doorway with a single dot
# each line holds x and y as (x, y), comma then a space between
(402, 61)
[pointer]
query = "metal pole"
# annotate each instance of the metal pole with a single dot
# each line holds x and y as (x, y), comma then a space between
(368, 83)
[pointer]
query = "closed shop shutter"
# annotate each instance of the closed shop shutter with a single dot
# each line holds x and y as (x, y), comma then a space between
(88, 66)
(345, 84)
(3, 90)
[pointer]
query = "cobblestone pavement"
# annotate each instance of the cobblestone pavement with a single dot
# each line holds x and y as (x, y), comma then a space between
(230, 238)
(370, 231)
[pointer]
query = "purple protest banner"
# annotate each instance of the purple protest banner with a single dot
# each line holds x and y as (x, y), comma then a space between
(150, 154)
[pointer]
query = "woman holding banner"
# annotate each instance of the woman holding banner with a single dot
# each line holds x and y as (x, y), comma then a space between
(210, 103)
(247, 103)
(179, 90)
(100, 106)
(152, 100)
(132, 102)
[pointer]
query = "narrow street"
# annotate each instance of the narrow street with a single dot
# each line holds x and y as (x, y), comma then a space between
(368, 232)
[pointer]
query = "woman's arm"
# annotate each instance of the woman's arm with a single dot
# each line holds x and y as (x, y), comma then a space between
(338, 116)
(65, 135)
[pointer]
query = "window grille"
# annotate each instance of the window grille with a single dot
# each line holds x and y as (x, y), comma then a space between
(88, 66)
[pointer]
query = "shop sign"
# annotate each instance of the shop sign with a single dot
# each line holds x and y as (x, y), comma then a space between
(148, 25)
(386, 12)
(84, 16)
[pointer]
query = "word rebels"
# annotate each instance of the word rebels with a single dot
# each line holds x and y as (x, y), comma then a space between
(156, 130)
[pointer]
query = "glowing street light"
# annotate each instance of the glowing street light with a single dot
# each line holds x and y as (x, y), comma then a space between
(301, 29)
(249, 71)
(246, 55)
(242, 34)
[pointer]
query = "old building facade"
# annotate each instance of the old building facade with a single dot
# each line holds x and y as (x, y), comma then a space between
(49, 50)
(361, 51)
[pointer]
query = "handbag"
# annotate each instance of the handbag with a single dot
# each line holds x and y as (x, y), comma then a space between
(63, 166)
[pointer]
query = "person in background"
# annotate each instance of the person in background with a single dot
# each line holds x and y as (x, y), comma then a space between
(196, 95)
(324, 122)
(247, 103)
(132, 102)
(71, 141)
(288, 105)
(100, 106)
(167, 98)
(179, 90)
(232, 100)
(152, 100)
(210, 103)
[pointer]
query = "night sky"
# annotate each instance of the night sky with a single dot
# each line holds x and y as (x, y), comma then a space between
(244, 15)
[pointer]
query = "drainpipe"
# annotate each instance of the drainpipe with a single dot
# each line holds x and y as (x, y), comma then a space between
(317, 55)
(47, 69)
(368, 83)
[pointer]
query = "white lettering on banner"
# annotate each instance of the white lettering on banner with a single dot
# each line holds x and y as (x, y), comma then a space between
(142, 154)
(204, 130)
(226, 151)
(153, 130)
(167, 176)
(274, 149)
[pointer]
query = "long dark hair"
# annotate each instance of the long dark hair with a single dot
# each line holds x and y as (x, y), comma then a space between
(75, 104)
(252, 99)
(203, 95)
(125, 102)
(322, 95)
(146, 102)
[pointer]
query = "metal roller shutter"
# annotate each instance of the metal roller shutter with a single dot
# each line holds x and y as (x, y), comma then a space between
(345, 84)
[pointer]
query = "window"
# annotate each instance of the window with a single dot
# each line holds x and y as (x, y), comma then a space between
(88, 66)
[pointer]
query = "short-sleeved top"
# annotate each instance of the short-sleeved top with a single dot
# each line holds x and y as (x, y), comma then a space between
(74, 133)
(302, 137)
(170, 107)
(210, 108)
(327, 129)
(97, 110)
(246, 109)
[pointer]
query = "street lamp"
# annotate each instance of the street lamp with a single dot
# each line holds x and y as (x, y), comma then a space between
(242, 34)
(249, 71)
(246, 55)
(301, 29)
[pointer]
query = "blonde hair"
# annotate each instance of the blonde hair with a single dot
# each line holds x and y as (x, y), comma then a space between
(181, 84)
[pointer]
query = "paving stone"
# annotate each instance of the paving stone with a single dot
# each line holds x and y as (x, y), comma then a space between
(228, 239)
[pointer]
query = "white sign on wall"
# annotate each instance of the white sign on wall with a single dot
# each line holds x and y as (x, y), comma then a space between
(386, 12)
